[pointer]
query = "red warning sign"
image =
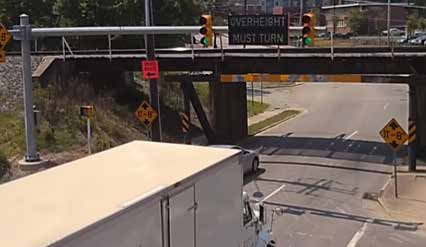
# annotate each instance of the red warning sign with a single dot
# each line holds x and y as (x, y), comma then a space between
(150, 69)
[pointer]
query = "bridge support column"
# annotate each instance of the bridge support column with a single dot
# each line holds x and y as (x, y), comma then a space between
(417, 113)
(412, 119)
(229, 110)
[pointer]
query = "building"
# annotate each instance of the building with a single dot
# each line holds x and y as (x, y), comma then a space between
(342, 13)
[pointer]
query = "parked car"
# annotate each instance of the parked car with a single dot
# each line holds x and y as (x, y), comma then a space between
(324, 35)
(406, 40)
(418, 41)
(249, 158)
(393, 32)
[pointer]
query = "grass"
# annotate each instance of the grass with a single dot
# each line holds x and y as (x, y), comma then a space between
(4, 165)
(61, 128)
(274, 120)
(12, 140)
(202, 90)
(254, 107)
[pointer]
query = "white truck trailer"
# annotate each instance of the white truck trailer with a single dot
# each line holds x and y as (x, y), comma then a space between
(141, 194)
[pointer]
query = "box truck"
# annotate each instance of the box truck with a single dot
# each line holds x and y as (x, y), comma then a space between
(135, 195)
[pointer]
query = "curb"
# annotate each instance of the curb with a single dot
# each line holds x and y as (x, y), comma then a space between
(302, 111)
(382, 190)
(284, 85)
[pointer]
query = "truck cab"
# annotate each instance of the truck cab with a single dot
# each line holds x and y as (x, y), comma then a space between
(255, 230)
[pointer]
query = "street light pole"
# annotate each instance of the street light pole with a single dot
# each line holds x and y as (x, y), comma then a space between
(301, 12)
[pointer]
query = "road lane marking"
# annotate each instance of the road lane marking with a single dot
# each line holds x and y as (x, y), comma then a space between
(351, 135)
(386, 106)
(358, 235)
(341, 210)
(273, 193)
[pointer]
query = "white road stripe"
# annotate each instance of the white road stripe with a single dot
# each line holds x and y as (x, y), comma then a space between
(273, 193)
(351, 135)
(358, 235)
(341, 210)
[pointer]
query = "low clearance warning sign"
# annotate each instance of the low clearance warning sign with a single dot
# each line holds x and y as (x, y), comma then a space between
(258, 29)
(150, 69)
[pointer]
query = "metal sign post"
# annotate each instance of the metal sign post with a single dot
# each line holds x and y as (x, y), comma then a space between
(89, 136)
(153, 84)
(394, 135)
(395, 173)
(88, 111)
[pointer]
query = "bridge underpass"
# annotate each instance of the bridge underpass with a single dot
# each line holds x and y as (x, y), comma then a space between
(229, 100)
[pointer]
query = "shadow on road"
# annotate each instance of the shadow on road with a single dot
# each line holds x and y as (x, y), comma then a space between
(310, 188)
(256, 92)
(326, 166)
(253, 176)
(299, 210)
(332, 148)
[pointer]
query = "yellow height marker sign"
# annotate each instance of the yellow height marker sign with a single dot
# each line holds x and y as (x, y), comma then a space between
(4, 39)
(146, 114)
(393, 134)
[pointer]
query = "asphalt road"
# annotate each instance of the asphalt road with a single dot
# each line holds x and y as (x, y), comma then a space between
(319, 166)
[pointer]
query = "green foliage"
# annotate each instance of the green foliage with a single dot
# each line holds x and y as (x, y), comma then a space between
(40, 11)
(202, 90)
(12, 140)
(356, 21)
(254, 107)
(369, 22)
(53, 13)
(99, 12)
(415, 22)
(4, 165)
(272, 121)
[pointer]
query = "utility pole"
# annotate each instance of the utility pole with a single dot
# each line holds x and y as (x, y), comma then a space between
(153, 85)
(388, 22)
(301, 12)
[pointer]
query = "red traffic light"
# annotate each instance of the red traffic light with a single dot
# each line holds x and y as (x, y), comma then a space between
(306, 19)
(203, 20)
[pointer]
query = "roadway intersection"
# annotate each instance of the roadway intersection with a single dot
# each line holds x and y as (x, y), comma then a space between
(319, 165)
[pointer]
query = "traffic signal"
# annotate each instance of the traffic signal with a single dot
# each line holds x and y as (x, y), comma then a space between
(308, 30)
(206, 30)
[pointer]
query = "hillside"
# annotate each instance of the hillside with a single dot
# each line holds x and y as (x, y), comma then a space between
(61, 135)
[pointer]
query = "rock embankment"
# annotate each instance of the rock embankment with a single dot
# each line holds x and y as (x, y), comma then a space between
(11, 85)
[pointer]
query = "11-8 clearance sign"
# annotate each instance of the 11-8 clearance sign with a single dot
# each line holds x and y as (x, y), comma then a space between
(258, 29)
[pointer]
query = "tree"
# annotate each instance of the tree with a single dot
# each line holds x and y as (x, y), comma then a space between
(356, 21)
(40, 11)
(412, 23)
(418, 2)
(63, 13)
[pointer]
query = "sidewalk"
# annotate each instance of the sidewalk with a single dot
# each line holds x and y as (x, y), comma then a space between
(411, 202)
